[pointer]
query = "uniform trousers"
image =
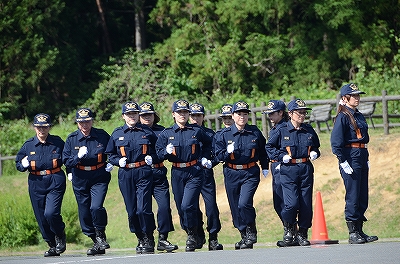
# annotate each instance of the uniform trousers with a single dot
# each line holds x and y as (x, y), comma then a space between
(209, 194)
(162, 196)
(240, 186)
(186, 186)
(277, 193)
(297, 182)
(46, 194)
(136, 188)
(356, 184)
(90, 189)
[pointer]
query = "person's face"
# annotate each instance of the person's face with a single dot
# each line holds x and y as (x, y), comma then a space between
(181, 116)
(131, 118)
(240, 118)
(352, 100)
(42, 131)
(227, 121)
(275, 117)
(147, 119)
(298, 116)
(197, 119)
(85, 126)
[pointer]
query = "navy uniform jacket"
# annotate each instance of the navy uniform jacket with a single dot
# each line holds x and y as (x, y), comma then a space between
(41, 156)
(249, 146)
(299, 142)
(190, 143)
(157, 129)
(133, 143)
(96, 144)
(343, 132)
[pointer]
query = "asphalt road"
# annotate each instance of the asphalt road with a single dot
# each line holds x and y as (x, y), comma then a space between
(377, 252)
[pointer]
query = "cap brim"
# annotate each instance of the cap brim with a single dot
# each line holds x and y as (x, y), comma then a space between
(41, 125)
(83, 119)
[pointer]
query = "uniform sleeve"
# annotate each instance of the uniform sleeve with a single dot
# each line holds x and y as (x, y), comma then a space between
(337, 137)
(273, 146)
(111, 151)
(161, 143)
(316, 143)
(220, 147)
(69, 158)
(264, 160)
(20, 155)
(207, 149)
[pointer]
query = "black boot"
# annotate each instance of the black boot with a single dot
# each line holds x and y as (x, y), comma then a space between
(302, 237)
(164, 244)
(201, 238)
(61, 244)
(213, 243)
(148, 244)
(251, 233)
(95, 250)
(192, 240)
(288, 233)
(101, 239)
(51, 252)
(366, 237)
(140, 243)
(242, 243)
(354, 235)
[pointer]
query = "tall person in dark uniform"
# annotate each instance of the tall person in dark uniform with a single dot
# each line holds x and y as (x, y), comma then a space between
(189, 148)
(149, 117)
(241, 146)
(42, 157)
(208, 190)
(90, 175)
(295, 145)
(349, 140)
(131, 147)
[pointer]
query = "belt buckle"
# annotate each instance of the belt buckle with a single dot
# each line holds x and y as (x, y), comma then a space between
(239, 167)
(299, 160)
(43, 172)
(131, 165)
(87, 168)
(365, 145)
(182, 165)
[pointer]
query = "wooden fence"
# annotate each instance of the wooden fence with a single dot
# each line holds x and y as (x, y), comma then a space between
(212, 119)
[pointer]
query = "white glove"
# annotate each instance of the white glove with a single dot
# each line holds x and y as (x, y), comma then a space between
(206, 163)
(346, 167)
(82, 151)
(148, 159)
(265, 173)
(25, 162)
(169, 148)
(286, 158)
(122, 162)
(278, 167)
(109, 167)
(313, 155)
(368, 164)
(230, 148)
(69, 175)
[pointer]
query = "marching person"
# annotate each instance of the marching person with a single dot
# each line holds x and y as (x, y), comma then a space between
(208, 190)
(276, 111)
(90, 175)
(226, 115)
(349, 140)
(41, 156)
(131, 148)
(189, 148)
(160, 190)
(241, 146)
(295, 145)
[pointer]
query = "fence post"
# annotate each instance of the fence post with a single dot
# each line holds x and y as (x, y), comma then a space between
(217, 121)
(385, 114)
(209, 123)
(1, 167)
(264, 122)
(253, 115)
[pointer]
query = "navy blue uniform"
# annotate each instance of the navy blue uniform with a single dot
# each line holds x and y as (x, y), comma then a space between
(209, 193)
(297, 176)
(161, 191)
(90, 179)
(46, 183)
(241, 171)
(346, 145)
(190, 145)
(136, 178)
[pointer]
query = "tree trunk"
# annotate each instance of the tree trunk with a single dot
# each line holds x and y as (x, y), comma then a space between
(106, 36)
(139, 26)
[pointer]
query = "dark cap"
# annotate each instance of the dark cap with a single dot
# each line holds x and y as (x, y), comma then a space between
(275, 105)
(196, 108)
(350, 88)
(148, 108)
(84, 114)
(130, 107)
(241, 106)
(41, 120)
(297, 104)
(226, 110)
(180, 105)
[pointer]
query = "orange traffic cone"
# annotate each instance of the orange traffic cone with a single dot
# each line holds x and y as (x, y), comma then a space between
(319, 231)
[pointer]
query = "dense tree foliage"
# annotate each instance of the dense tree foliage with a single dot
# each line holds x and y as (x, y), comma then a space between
(51, 51)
